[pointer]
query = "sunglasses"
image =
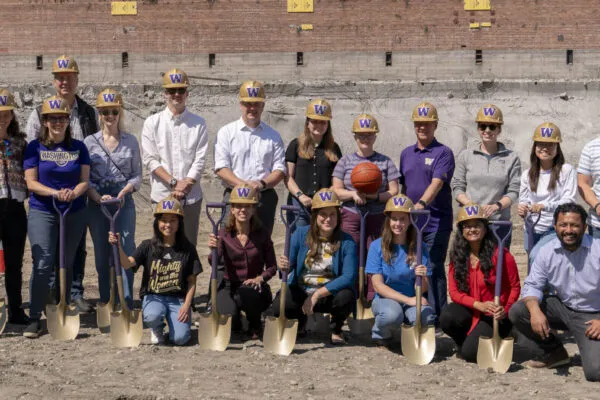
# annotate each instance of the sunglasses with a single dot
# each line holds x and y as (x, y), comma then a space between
(483, 127)
(106, 113)
(172, 91)
(55, 120)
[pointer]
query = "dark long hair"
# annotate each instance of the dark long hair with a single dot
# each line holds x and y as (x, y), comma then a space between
(182, 244)
(387, 243)
(45, 136)
(14, 133)
(459, 257)
(255, 223)
(536, 166)
(312, 238)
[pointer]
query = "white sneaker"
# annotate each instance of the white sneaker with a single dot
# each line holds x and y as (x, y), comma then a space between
(157, 336)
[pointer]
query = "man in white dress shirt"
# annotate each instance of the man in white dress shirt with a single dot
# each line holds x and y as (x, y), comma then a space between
(250, 151)
(174, 144)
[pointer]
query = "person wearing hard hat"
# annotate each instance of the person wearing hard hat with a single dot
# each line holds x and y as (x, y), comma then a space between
(488, 174)
(13, 218)
(471, 282)
(174, 145)
(322, 268)
(170, 266)
(391, 262)
(426, 169)
(246, 249)
(548, 183)
(115, 172)
(83, 122)
(248, 151)
(588, 182)
(311, 158)
(57, 169)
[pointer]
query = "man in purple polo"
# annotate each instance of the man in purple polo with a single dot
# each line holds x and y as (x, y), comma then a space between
(426, 169)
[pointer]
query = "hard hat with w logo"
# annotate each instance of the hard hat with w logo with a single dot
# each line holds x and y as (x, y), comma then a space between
(252, 92)
(243, 194)
(325, 198)
(399, 203)
(7, 100)
(175, 78)
(470, 211)
(365, 123)
(319, 109)
(547, 132)
(168, 205)
(425, 112)
(64, 64)
(490, 113)
(55, 105)
(109, 98)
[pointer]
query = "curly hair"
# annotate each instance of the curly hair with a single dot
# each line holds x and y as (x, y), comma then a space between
(459, 256)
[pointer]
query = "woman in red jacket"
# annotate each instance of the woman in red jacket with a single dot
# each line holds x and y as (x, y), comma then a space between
(471, 282)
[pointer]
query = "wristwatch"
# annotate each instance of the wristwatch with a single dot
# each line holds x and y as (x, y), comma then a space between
(298, 194)
(422, 202)
(173, 183)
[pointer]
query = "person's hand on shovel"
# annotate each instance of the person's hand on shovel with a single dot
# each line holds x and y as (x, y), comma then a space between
(499, 313)
(113, 238)
(284, 264)
(212, 240)
(537, 208)
(522, 210)
(485, 307)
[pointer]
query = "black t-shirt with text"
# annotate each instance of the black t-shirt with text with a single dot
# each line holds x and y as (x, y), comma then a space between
(166, 275)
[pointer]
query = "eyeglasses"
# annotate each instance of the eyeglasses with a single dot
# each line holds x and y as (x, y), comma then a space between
(364, 137)
(483, 127)
(57, 120)
(106, 113)
(477, 227)
(172, 91)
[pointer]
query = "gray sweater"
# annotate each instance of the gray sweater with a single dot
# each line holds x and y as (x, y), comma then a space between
(485, 179)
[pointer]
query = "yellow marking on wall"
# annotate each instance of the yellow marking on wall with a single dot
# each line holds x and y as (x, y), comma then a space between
(123, 8)
(486, 24)
(474, 25)
(478, 5)
(306, 27)
(300, 6)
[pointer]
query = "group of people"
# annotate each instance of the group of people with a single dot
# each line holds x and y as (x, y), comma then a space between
(74, 155)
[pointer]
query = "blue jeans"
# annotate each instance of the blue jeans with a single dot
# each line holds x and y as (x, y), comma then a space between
(437, 244)
(43, 232)
(99, 226)
(389, 316)
(304, 215)
(156, 308)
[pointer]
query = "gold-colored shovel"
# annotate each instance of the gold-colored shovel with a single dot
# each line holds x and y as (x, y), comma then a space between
(62, 318)
(103, 310)
(3, 315)
(495, 352)
(214, 329)
(418, 342)
(280, 333)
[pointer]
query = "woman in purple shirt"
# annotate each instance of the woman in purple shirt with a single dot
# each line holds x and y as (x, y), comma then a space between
(57, 169)
(246, 250)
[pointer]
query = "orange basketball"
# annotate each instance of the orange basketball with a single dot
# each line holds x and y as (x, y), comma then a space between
(366, 177)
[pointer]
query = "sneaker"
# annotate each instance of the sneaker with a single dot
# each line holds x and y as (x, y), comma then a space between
(83, 306)
(550, 360)
(157, 336)
(33, 330)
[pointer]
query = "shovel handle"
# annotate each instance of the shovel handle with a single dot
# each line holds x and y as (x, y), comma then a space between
(495, 225)
(289, 224)
(112, 217)
(530, 224)
(61, 232)
(215, 225)
(364, 213)
(414, 219)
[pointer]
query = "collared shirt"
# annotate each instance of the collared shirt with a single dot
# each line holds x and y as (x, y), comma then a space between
(589, 164)
(33, 124)
(178, 143)
(250, 153)
(418, 167)
(486, 178)
(575, 276)
(124, 165)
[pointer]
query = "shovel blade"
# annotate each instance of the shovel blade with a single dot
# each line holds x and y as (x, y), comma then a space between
(280, 335)
(361, 326)
(496, 354)
(418, 347)
(3, 315)
(63, 321)
(126, 328)
(318, 323)
(363, 312)
(214, 332)
(103, 311)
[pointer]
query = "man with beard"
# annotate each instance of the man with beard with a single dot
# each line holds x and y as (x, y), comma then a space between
(570, 266)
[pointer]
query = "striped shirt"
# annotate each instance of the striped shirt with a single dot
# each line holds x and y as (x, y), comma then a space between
(589, 164)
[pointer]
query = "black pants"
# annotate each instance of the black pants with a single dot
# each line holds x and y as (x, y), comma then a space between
(456, 321)
(13, 233)
(267, 206)
(233, 298)
(339, 305)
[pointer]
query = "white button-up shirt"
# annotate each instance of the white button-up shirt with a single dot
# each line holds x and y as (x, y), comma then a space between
(250, 153)
(178, 143)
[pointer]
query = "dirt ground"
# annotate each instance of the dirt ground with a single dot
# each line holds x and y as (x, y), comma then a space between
(91, 368)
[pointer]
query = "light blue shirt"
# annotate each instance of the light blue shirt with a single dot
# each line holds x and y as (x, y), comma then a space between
(574, 275)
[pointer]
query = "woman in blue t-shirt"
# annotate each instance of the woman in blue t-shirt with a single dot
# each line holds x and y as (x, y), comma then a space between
(392, 264)
(57, 168)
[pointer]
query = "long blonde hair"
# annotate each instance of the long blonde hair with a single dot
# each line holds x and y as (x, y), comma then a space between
(306, 147)
(387, 243)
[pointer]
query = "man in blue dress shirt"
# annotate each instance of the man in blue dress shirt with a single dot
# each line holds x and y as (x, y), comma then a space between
(569, 266)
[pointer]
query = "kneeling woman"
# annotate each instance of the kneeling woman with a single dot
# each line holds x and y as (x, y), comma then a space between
(246, 250)
(471, 282)
(170, 264)
(322, 267)
(392, 264)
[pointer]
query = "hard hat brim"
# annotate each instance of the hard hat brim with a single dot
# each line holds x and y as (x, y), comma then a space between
(7, 108)
(421, 119)
(549, 140)
(252, 99)
(318, 117)
(243, 202)
(176, 85)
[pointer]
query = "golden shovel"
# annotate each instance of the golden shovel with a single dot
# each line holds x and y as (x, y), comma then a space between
(3, 315)
(418, 342)
(214, 329)
(62, 318)
(103, 310)
(495, 352)
(280, 333)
